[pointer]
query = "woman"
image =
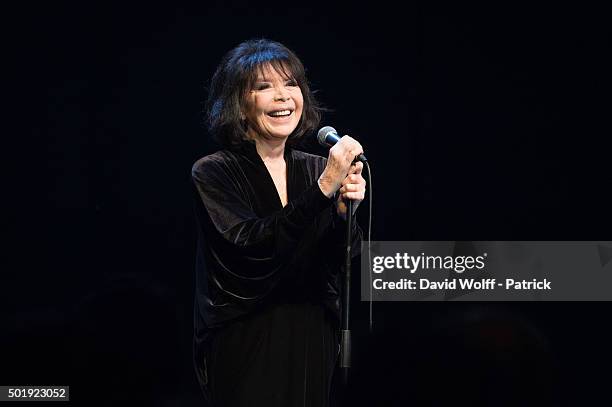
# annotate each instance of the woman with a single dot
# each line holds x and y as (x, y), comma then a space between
(271, 230)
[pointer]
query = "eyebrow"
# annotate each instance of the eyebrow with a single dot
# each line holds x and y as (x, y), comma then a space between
(268, 80)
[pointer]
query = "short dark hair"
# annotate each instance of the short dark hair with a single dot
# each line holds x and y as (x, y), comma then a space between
(236, 75)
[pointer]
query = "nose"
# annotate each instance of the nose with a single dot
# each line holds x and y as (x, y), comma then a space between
(282, 93)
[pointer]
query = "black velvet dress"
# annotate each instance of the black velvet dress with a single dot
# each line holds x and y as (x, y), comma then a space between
(267, 281)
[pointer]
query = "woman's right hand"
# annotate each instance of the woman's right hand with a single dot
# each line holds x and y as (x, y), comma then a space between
(339, 161)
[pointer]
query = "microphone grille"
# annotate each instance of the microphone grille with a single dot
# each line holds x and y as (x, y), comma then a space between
(322, 134)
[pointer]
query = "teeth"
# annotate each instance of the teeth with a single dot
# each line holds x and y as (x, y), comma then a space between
(281, 113)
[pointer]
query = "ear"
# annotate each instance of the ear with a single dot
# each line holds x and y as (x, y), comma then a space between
(242, 109)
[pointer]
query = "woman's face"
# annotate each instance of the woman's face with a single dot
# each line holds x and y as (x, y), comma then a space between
(274, 105)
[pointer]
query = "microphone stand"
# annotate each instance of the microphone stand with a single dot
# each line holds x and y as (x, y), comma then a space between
(345, 333)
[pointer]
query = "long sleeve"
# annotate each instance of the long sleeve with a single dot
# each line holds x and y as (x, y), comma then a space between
(251, 250)
(243, 234)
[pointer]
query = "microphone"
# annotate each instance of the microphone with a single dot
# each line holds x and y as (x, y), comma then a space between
(328, 136)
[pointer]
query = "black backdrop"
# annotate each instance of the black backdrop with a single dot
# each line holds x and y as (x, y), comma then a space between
(481, 122)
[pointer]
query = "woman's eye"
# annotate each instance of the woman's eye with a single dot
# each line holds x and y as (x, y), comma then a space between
(292, 82)
(261, 86)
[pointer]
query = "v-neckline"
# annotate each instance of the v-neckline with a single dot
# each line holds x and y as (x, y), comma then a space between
(279, 193)
(252, 151)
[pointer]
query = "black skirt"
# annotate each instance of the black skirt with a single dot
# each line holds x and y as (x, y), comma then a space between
(282, 356)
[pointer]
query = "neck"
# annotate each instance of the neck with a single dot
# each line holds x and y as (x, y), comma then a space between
(270, 149)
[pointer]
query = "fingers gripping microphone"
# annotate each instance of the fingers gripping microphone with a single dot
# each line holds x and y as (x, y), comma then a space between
(328, 136)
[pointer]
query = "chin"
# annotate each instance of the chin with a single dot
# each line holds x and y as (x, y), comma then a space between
(284, 133)
(277, 131)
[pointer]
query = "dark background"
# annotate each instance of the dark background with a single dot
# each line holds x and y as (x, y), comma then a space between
(481, 122)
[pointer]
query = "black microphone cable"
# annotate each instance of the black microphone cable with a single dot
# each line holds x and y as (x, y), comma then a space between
(371, 321)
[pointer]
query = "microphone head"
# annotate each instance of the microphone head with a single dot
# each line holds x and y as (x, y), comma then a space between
(322, 134)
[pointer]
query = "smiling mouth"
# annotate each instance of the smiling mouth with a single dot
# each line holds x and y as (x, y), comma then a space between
(280, 113)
